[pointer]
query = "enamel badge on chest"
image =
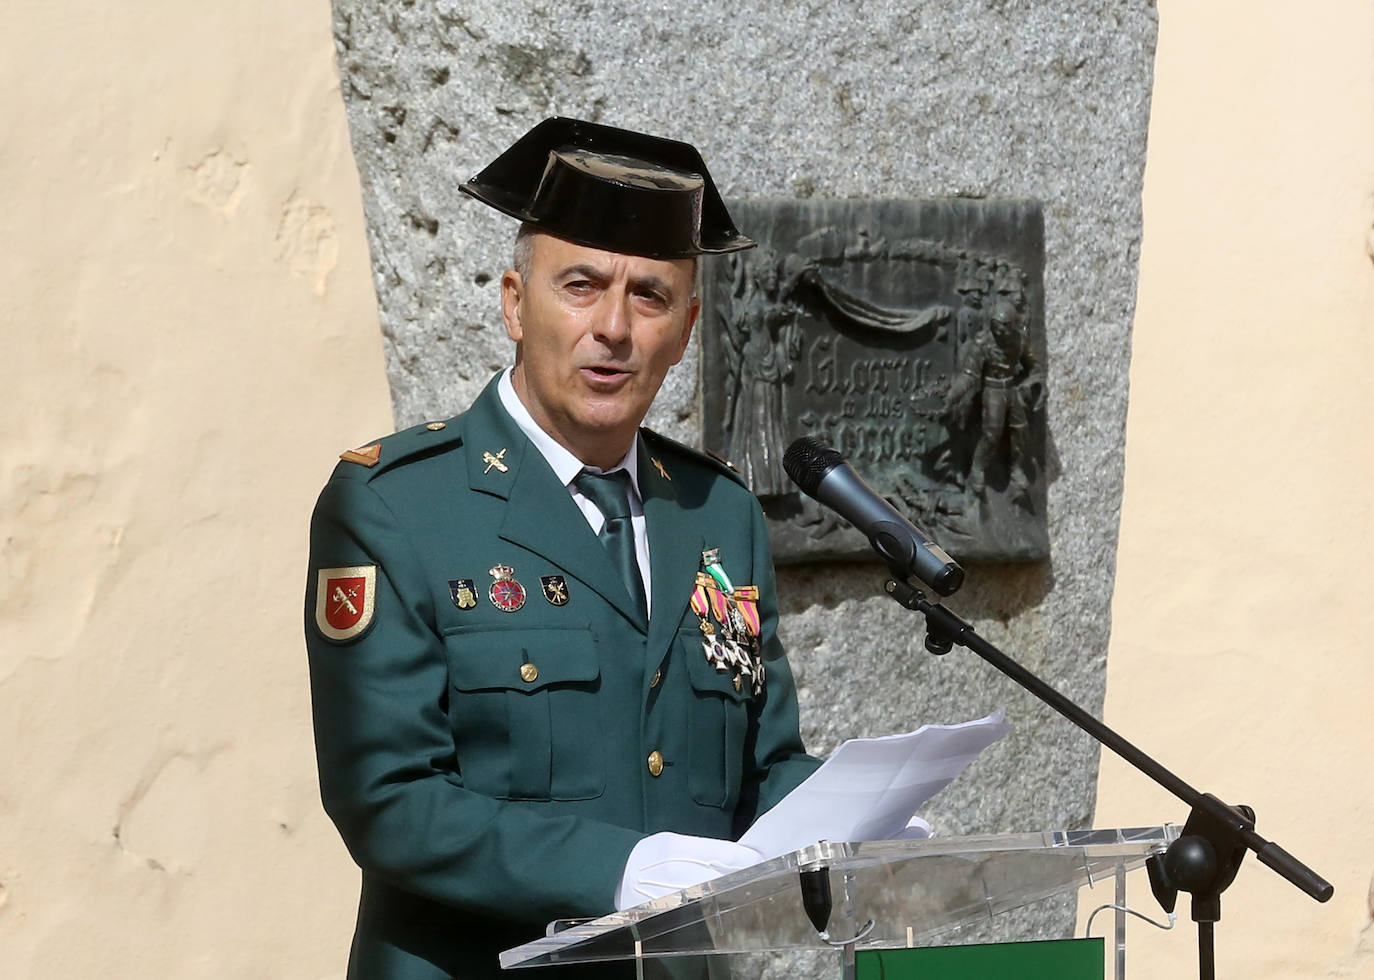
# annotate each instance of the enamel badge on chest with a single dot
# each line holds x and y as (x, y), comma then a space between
(555, 589)
(506, 594)
(462, 592)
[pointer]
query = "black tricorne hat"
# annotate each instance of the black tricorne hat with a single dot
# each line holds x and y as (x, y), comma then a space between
(611, 189)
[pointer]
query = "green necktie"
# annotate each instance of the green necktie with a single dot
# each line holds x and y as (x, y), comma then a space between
(610, 493)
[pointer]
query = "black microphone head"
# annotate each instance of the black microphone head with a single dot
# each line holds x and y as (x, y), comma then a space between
(807, 461)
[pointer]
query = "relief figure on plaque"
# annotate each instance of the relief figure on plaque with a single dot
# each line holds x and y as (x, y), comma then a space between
(936, 509)
(909, 335)
(973, 282)
(999, 366)
(1009, 283)
(763, 342)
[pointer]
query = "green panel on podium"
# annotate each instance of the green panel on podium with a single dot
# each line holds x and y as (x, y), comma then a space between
(1057, 959)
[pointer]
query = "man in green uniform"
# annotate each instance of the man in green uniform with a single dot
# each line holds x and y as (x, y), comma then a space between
(543, 655)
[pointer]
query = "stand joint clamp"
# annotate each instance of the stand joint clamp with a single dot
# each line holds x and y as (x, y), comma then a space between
(939, 640)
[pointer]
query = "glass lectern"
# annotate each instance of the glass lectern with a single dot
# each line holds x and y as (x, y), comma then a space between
(855, 896)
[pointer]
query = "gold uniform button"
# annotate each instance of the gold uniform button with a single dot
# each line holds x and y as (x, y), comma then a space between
(529, 673)
(655, 763)
(435, 426)
(658, 676)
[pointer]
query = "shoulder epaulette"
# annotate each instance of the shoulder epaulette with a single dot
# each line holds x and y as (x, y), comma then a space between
(721, 460)
(705, 456)
(381, 455)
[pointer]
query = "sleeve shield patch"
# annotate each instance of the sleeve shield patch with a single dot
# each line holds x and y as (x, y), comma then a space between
(344, 600)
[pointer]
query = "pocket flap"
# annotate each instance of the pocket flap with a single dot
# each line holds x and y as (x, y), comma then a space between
(520, 659)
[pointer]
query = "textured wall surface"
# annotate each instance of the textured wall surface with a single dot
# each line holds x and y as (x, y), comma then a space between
(1044, 100)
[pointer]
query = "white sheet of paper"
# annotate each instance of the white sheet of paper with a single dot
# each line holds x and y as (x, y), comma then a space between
(869, 788)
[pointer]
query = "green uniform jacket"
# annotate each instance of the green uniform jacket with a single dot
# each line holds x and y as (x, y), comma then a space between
(488, 770)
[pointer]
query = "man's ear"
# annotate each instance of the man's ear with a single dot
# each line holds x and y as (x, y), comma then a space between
(512, 291)
(693, 311)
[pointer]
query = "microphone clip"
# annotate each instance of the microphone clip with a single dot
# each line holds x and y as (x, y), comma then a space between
(938, 641)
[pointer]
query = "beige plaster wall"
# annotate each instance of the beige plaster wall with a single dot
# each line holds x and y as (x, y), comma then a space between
(190, 338)
(1243, 617)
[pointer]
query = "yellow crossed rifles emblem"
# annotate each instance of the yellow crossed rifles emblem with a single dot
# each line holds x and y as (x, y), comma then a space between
(495, 461)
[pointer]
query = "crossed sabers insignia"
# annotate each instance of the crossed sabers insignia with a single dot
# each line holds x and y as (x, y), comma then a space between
(342, 599)
(491, 461)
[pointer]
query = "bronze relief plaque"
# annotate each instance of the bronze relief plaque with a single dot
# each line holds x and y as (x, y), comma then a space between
(907, 334)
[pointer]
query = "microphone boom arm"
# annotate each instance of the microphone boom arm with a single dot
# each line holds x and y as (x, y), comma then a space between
(1204, 860)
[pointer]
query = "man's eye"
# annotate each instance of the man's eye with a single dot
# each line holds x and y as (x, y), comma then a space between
(578, 286)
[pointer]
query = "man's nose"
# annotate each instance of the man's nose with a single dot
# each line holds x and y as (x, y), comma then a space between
(613, 320)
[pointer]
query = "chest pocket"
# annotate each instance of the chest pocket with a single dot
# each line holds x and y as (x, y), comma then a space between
(718, 721)
(524, 713)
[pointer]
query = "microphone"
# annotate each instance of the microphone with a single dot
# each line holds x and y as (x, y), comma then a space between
(823, 475)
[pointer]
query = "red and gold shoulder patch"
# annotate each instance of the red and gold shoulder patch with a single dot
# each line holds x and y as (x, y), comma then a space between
(364, 455)
(345, 599)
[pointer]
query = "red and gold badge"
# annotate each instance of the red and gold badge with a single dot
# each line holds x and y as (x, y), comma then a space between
(506, 594)
(345, 599)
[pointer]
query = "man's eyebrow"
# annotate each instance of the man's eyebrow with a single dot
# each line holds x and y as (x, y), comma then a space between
(652, 283)
(584, 270)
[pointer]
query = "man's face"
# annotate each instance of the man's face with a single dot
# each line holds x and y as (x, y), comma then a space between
(597, 331)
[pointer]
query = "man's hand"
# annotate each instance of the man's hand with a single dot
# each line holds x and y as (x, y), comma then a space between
(666, 862)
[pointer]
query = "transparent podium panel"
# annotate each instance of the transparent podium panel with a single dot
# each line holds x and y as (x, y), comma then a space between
(890, 894)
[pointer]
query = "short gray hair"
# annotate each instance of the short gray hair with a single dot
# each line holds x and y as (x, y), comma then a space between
(524, 250)
(523, 255)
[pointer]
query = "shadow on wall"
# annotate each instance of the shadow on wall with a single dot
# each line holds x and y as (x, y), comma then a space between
(991, 592)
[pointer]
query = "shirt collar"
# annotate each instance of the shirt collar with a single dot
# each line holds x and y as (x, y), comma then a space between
(564, 464)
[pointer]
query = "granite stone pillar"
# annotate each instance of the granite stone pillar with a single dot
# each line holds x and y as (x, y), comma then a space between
(969, 98)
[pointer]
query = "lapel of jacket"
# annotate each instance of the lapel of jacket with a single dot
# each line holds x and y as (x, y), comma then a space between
(540, 515)
(674, 551)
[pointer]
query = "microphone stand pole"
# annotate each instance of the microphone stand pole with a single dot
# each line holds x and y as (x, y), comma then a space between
(1204, 860)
